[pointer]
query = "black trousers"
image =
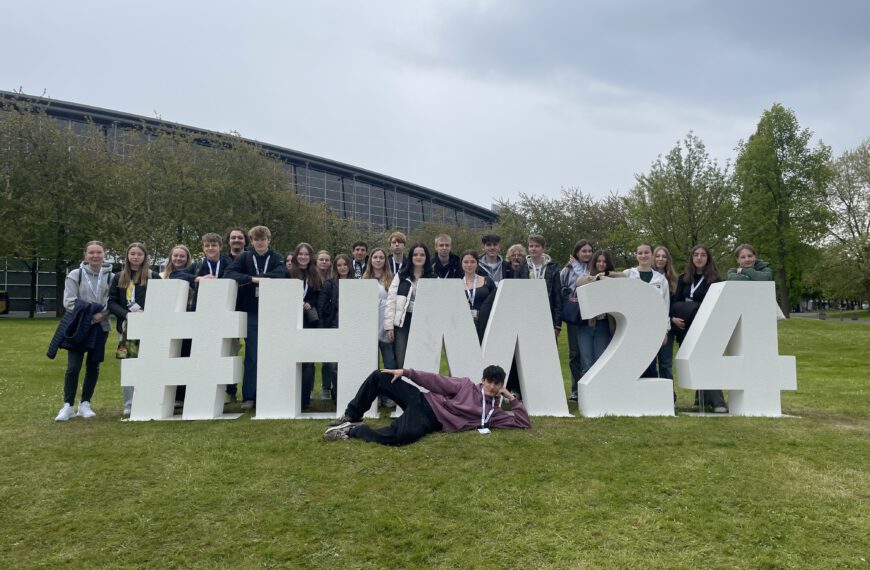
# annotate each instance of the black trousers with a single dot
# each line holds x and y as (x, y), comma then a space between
(74, 362)
(417, 420)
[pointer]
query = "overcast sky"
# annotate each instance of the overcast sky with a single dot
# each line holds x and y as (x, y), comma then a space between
(477, 99)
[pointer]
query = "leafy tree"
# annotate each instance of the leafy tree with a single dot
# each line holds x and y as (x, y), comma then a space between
(783, 190)
(836, 277)
(565, 220)
(685, 199)
(164, 192)
(54, 191)
(462, 237)
(849, 199)
(186, 187)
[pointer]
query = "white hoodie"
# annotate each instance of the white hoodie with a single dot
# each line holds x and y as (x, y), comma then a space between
(660, 282)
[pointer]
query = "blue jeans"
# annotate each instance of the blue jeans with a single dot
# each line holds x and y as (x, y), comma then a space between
(388, 354)
(666, 358)
(593, 342)
(601, 336)
(249, 379)
(585, 347)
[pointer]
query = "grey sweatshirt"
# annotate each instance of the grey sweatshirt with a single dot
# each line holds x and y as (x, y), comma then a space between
(84, 284)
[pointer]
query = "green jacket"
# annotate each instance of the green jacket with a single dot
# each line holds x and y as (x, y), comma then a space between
(759, 272)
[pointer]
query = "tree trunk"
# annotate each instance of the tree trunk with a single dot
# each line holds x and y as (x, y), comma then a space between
(783, 291)
(60, 268)
(782, 254)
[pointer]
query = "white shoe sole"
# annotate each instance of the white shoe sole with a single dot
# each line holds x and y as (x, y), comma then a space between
(342, 428)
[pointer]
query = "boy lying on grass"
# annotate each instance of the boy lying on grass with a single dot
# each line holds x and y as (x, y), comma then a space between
(452, 404)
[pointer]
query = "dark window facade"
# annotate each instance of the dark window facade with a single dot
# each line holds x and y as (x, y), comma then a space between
(353, 193)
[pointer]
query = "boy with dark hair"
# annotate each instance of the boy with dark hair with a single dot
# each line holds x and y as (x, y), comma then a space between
(237, 241)
(360, 255)
(490, 262)
(451, 405)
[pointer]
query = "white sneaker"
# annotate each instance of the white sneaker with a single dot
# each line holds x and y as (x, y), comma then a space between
(85, 410)
(326, 395)
(65, 413)
(126, 412)
(720, 410)
(248, 405)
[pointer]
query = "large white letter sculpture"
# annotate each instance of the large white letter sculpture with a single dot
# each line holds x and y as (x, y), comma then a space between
(736, 319)
(611, 386)
(752, 369)
(158, 370)
(519, 323)
(283, 345)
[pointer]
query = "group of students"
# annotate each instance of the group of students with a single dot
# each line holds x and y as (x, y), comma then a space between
(92, 292)
(682, 295)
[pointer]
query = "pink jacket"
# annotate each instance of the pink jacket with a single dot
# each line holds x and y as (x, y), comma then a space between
(457, 403)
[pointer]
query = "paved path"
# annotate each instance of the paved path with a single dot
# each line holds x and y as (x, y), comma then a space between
(832, 316)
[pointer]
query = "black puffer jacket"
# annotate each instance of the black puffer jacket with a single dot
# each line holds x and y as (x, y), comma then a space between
(76, 331)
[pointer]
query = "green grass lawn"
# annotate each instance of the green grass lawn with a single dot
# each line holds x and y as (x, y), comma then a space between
(571, 492)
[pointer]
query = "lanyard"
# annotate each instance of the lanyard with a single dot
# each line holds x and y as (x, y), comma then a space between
(359, 268)
(304, 289)
(438, 263)
(131, 294)
(411, 296)
(473, 293)
(217, 268)
(396, 266)
(537, 270)
(484, 417)
(94, 288)
(257, 267)
(694, 287)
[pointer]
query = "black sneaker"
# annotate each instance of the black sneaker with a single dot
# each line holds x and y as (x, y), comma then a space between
(344, 419)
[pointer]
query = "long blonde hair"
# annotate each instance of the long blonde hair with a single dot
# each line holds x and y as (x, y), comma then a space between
(669, 272)
(169, 269)
(127, 273)
(387, 277)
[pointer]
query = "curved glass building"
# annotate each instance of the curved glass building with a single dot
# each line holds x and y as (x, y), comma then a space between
(352, 192)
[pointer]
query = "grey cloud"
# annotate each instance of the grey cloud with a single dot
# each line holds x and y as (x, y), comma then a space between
(676, 49)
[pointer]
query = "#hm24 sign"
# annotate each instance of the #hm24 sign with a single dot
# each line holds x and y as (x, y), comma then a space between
(732, 345)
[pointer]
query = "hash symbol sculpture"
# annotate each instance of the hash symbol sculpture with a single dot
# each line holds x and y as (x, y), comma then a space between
(161, 330)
